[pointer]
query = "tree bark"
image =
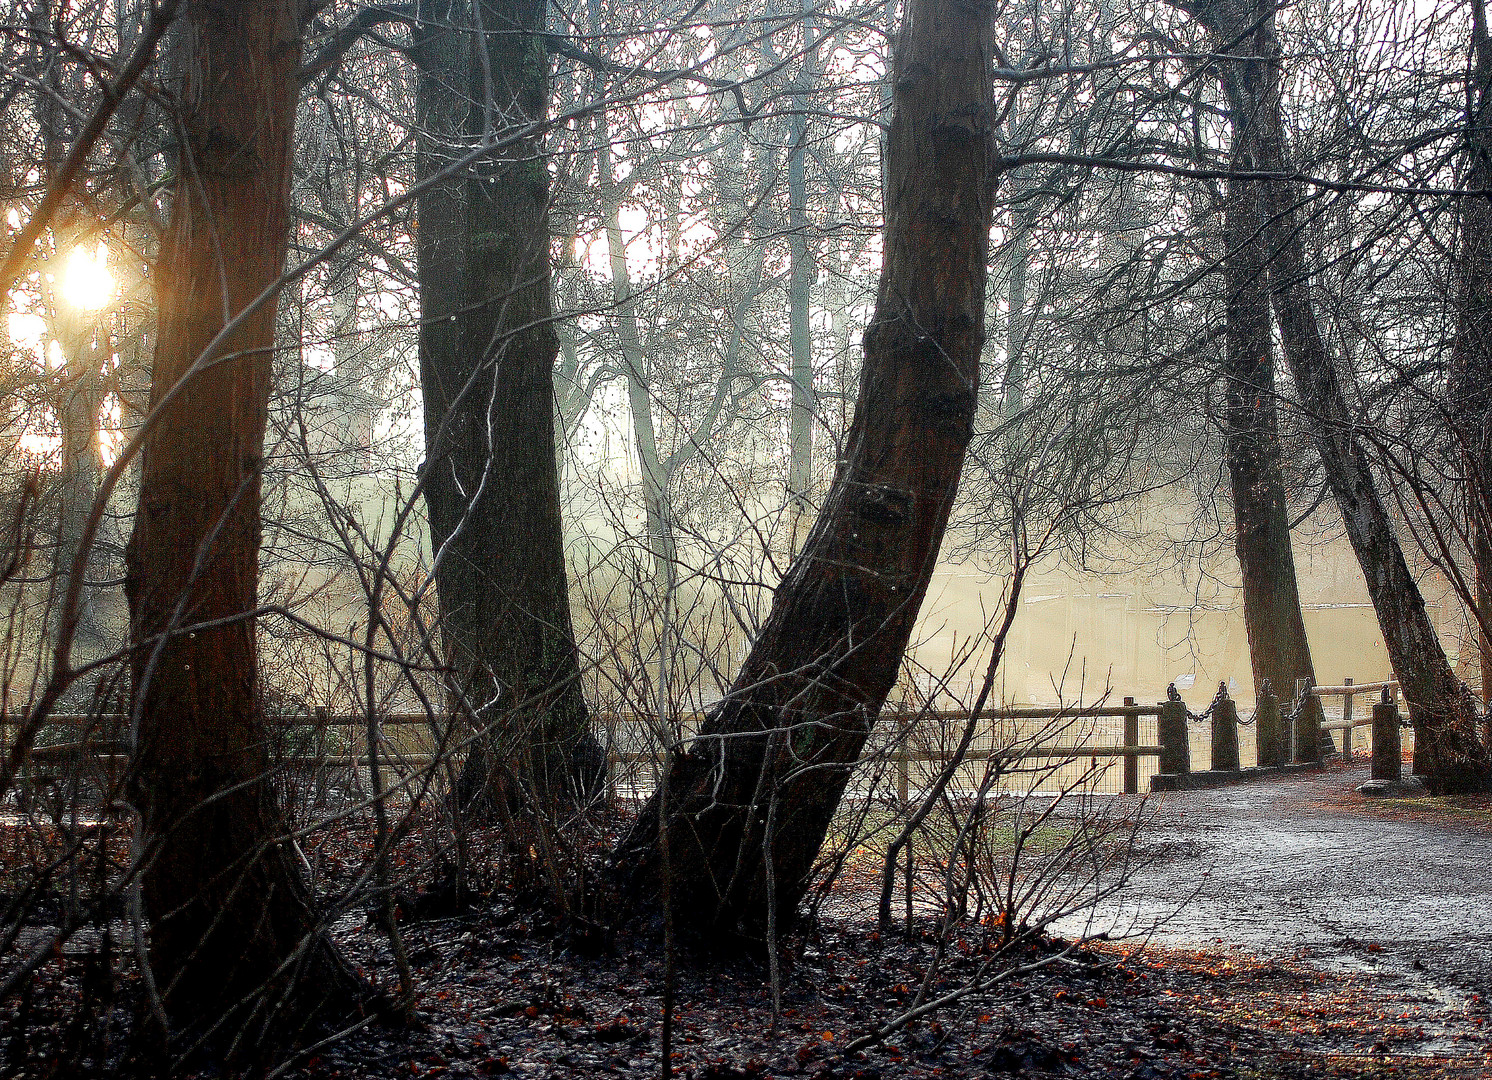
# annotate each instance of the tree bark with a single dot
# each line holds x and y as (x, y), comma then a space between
(782, 745)
(229, 912)
(1471, 353)
(487, 351)
(1278, 649)
(1443, 710)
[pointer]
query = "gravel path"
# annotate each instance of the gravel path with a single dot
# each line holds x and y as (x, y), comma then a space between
(1305, 869)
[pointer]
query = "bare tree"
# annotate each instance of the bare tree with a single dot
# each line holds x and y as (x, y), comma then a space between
(1470, 390)
(487, 351)
(1444, 712)
(788, 734)
(230, 915)
(1278, 649)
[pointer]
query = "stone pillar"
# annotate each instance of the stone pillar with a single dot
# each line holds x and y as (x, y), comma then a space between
(1387, 763)
(1268, 728)
(1175, 754)
(1307, 724)
(1224, 732)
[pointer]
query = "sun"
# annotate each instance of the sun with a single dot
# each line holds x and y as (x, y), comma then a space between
(86, 281)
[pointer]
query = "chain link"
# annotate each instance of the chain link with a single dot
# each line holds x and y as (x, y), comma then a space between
(1286, 718)
(1222, 692)
(1198, 717)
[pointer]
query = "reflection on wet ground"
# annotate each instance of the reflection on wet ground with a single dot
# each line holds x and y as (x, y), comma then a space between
(1297, 869)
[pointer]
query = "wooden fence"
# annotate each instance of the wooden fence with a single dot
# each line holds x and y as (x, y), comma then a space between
(1348, 692)
(1172, 746)
(112, 753)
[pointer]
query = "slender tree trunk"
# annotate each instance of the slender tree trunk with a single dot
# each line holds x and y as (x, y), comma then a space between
(1016, 319)
(1471, 355)
(657, 505)
(783, 743)
(1483, 556)
(1443, 710)
(79, 395)
(78, 403)
(487, 351)
(1278, 649)
(801, 274)
(357, 400)
(226, 903)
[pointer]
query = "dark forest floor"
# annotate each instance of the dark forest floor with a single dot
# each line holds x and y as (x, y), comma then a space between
(1305, 953)
(509, 1002)
(513, 1000)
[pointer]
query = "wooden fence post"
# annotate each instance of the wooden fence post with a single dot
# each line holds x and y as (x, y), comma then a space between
(1387, 762)
(903, 765)
(1267, 733)
(1347, 718)
(1224, 732)
(1131, 738)
(903, 795)
(319, 779)
(1175, 743)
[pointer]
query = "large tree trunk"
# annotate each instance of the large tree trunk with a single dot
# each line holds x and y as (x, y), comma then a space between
(487, 351)
(1471, 355)
(1278, 649)
(783, 743)
(228, 910)
(1443, 710)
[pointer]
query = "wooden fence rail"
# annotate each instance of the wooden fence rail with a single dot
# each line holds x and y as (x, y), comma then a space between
(1388, 691)
(1171, 748)
(111, 752)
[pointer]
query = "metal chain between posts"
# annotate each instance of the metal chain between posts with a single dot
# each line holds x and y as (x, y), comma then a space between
(1286, 718)
(1222, 692)
(1405, 722)
(1198, 717)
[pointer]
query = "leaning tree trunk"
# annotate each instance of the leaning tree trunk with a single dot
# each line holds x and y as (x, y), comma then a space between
(228, 910)
(1471, 355)
(487, 351)
(1443, 710)
(783, 743)
(1278, 649)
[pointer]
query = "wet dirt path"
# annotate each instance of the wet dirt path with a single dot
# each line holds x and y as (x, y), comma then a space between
(1303, 870)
